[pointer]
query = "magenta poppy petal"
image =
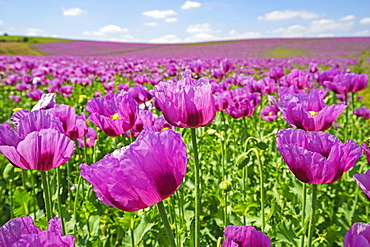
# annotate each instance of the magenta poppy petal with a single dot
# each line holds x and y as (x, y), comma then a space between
(46, 149)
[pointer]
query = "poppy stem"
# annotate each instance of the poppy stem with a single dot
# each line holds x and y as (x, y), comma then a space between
(196, 185)
(59, 186)
(347, 117)
(167, 226)
(303, 217)
(261, 184)
(313, 210)
(46, 187)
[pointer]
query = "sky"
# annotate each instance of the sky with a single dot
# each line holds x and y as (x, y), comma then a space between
(175, 21)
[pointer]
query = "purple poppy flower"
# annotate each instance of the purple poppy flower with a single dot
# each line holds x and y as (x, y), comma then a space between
(22, 231)
(74, 125)
(366, 148)
(245, 236)
(357, 236)
(316, 157)
(113, 113)
(109, 86)
(39, 143)
(276, 73)
(347, 83)
(363, 112)
(15, 98)
(263, 86)
(196, 66)
(363, 180)
(269, 113)
(309, 112)
(226, 65)
(222, 100)
(187, 103)
(140, 94)
(67, 91)
(242, 103)
(314, 67)
(141, 174)
(35, 94)
(91, 137)
(160, 123)
(299, 78)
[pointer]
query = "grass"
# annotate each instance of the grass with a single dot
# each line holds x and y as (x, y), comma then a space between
(279, 52)
(16, 48)
(22, 45)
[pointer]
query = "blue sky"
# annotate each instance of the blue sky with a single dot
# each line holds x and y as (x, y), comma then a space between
(166, 21)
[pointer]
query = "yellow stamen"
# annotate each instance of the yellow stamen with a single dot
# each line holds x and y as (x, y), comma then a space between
(313, 113)
(114, 116)
(17, 109)
(165, 128)
(88, 139)
(269, 114)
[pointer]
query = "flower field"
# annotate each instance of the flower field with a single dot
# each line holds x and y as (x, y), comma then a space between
(135, 147)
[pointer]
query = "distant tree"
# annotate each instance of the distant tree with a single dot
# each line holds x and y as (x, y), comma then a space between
(25, 39)
(5, 34)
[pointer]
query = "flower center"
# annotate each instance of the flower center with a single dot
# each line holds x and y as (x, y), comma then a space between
(313, 113)
(114, 116)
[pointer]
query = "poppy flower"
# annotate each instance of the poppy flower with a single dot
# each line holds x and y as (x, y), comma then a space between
(347, 83)
(40, 143)
(22, 231)
(363, 180)
(113, 113)
(309, 112)
(245, 236)
(316, 157)
(188, 103)
(141, 174)
(357, 236)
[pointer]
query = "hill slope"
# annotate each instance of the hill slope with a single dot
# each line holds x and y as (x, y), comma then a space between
(258, 48)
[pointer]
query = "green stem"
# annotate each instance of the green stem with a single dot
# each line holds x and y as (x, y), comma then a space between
(313, 210)
(33, 192)
(46, 187)
(76, 198)
(347, 118)
(59, 186)
(132, 225)
(167, 226)
(303, 217)
(261, 185)
(197, 192)
(226, 218)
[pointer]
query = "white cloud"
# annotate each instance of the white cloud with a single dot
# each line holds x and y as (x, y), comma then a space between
(159, 14)
(363, 33)
(125, 38)
(200, 28)
(233, 34)
(73, 11)
(106, 30)
(1, 22)
(201, 37)
(288, 14)
(348, 18)
(365, 20)
(191, 5)
(150, 24)
(34, 31)
(174, 19)
(324, 27)
(169, 38)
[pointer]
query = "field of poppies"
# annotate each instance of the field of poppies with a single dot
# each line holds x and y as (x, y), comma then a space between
(192, 151)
